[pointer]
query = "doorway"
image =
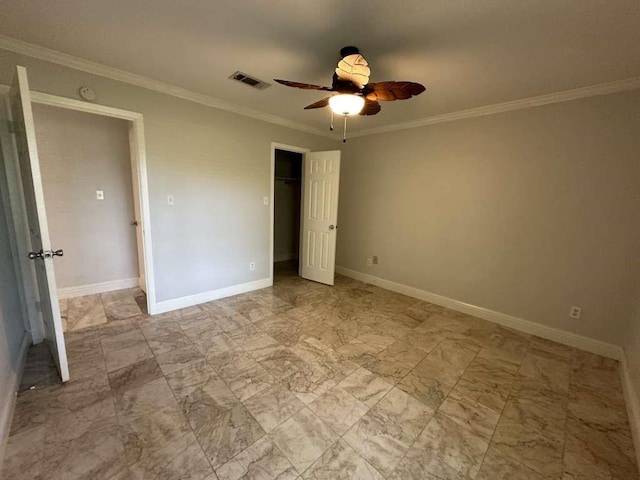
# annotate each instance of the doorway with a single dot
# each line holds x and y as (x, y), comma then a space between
(36, 253)
(317, 204)
(88, 184)
(287, 201)
(139, 187)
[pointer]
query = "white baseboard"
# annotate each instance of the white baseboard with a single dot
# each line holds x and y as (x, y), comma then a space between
(8, 404)
(633, 404)
(204, 297)
(581, 342)
(82, 290)
(283, 257)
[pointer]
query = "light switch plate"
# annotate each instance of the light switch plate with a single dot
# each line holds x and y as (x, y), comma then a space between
(99, 195)
(265, 200)
(171, 200)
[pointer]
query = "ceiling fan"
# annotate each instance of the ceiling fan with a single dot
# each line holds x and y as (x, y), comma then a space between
(354, 94)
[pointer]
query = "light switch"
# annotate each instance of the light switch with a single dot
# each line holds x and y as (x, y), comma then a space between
(265, 200)
(99, 195)
(171, 200)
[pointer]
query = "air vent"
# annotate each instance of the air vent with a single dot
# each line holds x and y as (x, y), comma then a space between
(249, 80)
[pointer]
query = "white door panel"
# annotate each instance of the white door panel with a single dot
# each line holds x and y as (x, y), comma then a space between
(24, 130)
(321, 177)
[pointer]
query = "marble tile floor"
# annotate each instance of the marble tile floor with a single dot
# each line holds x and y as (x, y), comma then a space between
(305, 381)
(92, 310)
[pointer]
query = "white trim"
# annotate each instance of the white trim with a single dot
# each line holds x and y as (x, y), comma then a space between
(272, 180)
(598, 347)
(12, 384)
(138, 153)
(54, 56)
(93, 288)
(70, 61)
(557, 97)
(80, 106)
(632, 403)
(204, 297)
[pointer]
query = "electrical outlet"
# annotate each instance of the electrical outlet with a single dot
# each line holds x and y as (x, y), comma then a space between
(252, 266)
(171, 200)
(369, 261)
(99, 195)
(375, 259)
(575, 312)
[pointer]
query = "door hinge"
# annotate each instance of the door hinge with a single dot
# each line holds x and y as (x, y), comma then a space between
(12, 126)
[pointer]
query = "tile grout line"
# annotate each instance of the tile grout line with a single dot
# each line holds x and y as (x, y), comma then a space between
(177, 400)
(112, 395)
(566, 419)
(178, 404)
(493, 433)
(503, 409)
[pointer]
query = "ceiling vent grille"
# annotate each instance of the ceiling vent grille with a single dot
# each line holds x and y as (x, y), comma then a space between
(249, 80)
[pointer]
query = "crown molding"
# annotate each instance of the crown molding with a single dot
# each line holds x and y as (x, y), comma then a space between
(70, 61)
(548, 99)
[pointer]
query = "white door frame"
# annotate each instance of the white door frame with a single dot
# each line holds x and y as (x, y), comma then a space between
(139, 156)
(289, 148)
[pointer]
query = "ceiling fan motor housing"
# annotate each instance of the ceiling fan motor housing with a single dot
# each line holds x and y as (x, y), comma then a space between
(350, 50)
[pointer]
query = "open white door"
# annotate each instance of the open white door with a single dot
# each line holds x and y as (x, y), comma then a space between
(41, 252)
(321, 177)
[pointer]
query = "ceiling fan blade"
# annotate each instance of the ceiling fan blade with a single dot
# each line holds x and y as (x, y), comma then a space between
(371, 107)
(355, 69)
(389, 91)
(305, 86)
(319, 104)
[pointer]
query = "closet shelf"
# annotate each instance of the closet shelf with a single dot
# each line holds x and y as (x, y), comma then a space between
(288, 179)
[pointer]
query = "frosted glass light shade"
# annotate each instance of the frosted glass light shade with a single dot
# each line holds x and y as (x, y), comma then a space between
(346, 104)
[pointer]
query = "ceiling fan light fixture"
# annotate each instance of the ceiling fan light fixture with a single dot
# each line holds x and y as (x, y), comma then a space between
(346, 104)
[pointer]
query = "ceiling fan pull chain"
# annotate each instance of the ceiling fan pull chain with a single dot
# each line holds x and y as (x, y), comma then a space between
(344, 135)
(331, 125)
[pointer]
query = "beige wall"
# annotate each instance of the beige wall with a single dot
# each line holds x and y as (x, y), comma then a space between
(526, 212)
(215, 163)
(81, 153)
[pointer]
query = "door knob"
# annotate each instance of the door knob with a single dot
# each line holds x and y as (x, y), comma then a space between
(46, 254)
(134, 223)
(34, 255)
(332, 227)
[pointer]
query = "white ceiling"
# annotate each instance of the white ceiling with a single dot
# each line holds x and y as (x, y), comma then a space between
(467, 53)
